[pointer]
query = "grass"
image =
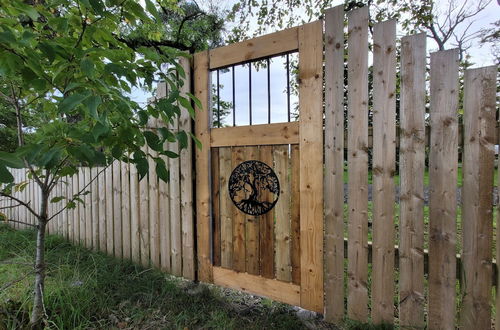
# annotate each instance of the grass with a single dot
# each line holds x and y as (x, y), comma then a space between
(90, 290)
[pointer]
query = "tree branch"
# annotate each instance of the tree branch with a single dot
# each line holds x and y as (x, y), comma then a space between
(26, 205)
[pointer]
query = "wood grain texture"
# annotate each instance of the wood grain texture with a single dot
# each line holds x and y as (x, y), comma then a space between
(186, 182)
(126, 237)
(154, 224)
(282, 291)
(95, 207)
(215, 168)
(135, 237)
(252, 227)
(357, 158)
(383, 168)
(295, 212)
(443, 162)
(411, 171)
(282, 227)
(334, 164)
(266, 226)
(477, 202)
(164, 220)
(226, 208)
(109, 209)
(270, 44)
(175, 207)
(81, 208)
(88, 209)
(117, 210)
(311, 165)
(268, 134)
(239, 219)
(144, 218)
(202, 132)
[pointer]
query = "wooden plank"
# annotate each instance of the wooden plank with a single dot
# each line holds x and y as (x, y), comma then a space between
(443, 161)
(282, 291)
(311, 165)
(334, 164)
(186, 177)
(383, 168)
(144, 217)
(164, 219)
(117, 210)
(88, 209)
(202, 132)
(125, 168)
(279, 133)
(94, 188)
(64, 213)
(226, 208)
(135, 238)
(154, 225)
(282, 226)
(477, 209)
(75, 221)
(109, 210)
(214, 158)
(411, 171)
(175, 207)
(101, 182)
(239, 219)
(357, 158)
(295, 213)
(82, 207)
(266, 249)
(252, 227)
(268, 45)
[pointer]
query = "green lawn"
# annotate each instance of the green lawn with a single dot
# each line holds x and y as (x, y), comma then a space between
(91, 290)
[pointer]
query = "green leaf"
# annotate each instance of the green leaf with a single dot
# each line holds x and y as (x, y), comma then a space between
(187, 105)
(71, 102)
(7, 37)
(151, 8)
(142, 166)
(48, 51)
(167, 134)
(98, 6)
(10, 160)
(196, 141)
(183, 139)
(57, 199)
(5, 175)
(88, 67)
(170, 154)
(153, 140)
(196, 101)
(92, 103)
(161, 170)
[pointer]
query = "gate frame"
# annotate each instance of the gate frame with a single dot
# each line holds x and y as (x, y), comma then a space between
(308, 40)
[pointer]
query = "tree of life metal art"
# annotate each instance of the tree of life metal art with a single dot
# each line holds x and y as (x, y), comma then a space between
(254, 187)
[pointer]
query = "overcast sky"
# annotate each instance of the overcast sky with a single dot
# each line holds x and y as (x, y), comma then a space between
(481, 56)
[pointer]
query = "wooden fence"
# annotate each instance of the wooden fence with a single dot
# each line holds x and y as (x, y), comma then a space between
(404, 266)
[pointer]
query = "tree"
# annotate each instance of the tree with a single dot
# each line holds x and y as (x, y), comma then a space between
(73, 64)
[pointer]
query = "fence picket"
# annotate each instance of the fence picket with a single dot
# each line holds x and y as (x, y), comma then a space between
(443, 162)
(154, 225)
(125, 170)
(477, 209)
(411, 171)
(135, 238)
(226, 208)
(357, 269)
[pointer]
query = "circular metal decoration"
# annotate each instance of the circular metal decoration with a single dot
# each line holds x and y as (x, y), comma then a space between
(254, 187)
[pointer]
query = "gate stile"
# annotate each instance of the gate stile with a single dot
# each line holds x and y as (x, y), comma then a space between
(277, 254)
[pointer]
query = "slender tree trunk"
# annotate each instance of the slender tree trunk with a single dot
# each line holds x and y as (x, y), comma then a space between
(38, 306)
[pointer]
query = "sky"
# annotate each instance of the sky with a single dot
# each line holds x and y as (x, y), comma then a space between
(480, 56)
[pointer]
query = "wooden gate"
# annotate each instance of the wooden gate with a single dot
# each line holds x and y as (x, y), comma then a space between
(260, 224)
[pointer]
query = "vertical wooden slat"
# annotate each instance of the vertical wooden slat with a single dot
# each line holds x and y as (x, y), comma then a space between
(477, 209)
(239, 218)
(357, 157)
(109, 209)
(82, 207)
(266, 249)
(202, 131)
(88, 210)
(216, 205)
(117, 209)
(76, 216)
(175, 207)
(135, 197)
(154, 225)
(334, 164)
(411, 171)
(295, 212)
(126, 210)
(252, 227)
(384, 163)
(226, 208)
(101, 182)
(186, 177)
(282, 212)
(443, 161)
(64, 213)
(311, 164)
(144, 217)
(95, 208)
